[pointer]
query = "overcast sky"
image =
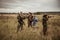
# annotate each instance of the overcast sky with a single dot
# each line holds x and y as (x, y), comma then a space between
(29, 5)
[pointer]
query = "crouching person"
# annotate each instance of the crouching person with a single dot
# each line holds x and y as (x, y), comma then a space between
(35, 20)
(34, 23)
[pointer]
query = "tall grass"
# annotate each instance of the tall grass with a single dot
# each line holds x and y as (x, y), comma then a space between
(8, 28)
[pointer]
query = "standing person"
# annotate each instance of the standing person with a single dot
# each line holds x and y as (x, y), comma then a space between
(30, 19)
(20, 21)
(44, 23)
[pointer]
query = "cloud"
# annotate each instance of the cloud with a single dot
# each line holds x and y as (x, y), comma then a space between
(29, 5)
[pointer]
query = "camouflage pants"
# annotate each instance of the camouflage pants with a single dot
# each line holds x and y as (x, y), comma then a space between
(19, 26)
(29, 23)
(44, 28)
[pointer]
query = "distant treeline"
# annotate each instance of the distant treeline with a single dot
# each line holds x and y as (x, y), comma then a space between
(37, 13)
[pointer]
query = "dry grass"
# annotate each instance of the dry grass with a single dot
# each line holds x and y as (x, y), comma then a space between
(8, 28)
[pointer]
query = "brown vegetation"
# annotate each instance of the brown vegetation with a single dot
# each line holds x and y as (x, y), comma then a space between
(8, 28)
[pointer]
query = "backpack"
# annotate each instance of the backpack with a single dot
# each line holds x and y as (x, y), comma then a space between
(35, 19)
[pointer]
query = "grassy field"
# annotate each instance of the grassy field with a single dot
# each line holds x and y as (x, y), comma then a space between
(8, 28)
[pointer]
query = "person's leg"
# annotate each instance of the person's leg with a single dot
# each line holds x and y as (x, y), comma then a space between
(44, 29)
(21, 26)
(18, 27)
(29, 24)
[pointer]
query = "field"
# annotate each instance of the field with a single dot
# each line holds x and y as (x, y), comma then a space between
(8, 28)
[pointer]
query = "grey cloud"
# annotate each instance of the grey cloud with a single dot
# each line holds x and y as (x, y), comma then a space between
(30, 5)
(59, 4)
(10, 3)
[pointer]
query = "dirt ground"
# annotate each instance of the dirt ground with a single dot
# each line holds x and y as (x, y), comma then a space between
(8, 28)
